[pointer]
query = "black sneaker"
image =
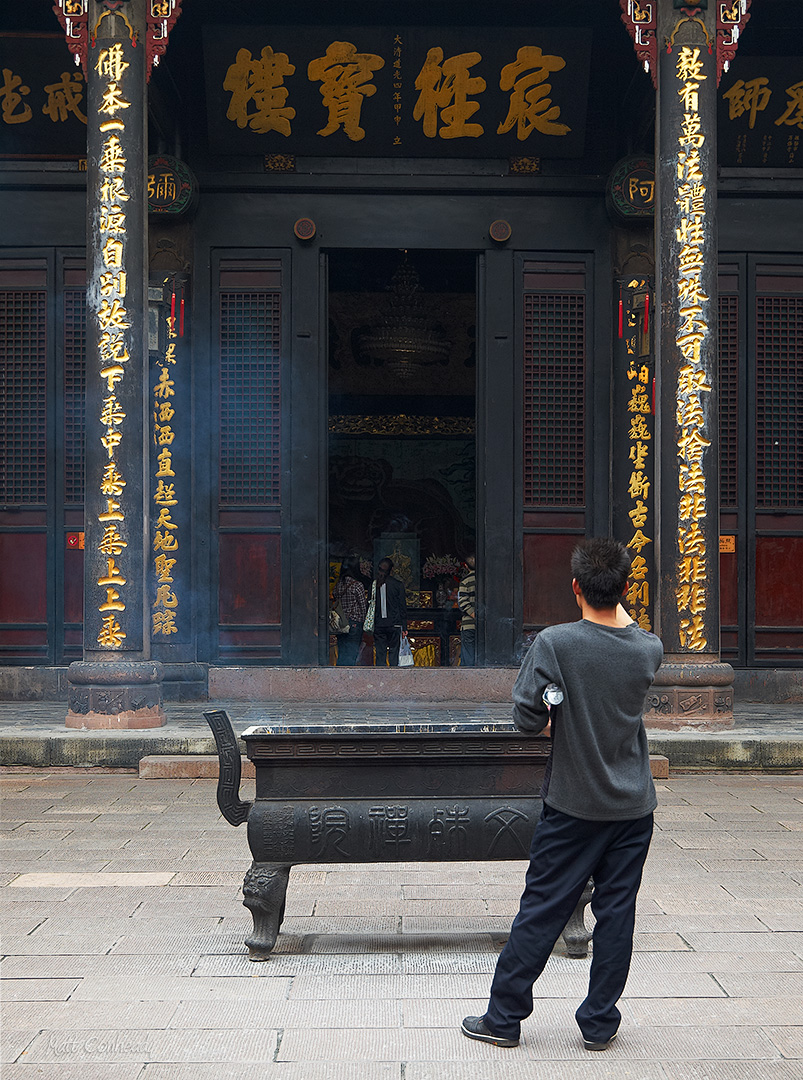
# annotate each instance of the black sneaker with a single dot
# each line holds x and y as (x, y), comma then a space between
(474, 1027)
(589, 1045)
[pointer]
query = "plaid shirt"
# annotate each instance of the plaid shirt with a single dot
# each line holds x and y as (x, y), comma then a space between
(351, 596)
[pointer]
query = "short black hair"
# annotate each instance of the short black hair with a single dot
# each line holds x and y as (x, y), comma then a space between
(601, 567)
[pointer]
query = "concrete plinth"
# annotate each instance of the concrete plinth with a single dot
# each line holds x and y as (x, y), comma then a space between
(339, 684)
(115, 695)
(687, 693)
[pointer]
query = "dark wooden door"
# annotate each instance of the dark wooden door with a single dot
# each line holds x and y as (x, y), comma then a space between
(761, 453)
(42, 347)
(246, 441)
(556, 321)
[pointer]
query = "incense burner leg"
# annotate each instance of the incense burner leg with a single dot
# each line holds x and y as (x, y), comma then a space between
(264, 892)
(575, 933)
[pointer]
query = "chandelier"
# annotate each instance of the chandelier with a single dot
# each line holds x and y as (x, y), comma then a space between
(404, 340)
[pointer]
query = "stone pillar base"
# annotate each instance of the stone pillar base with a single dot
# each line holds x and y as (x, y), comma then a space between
(689, 693)
(115, 695)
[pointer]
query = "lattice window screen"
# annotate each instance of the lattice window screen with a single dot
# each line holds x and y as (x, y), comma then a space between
(250, 353)
(74, 388)
(23, 391)
(779, 401)
(728, 400)
(554, 399)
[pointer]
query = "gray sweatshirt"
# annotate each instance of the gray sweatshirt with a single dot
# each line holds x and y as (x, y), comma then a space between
(600, 768)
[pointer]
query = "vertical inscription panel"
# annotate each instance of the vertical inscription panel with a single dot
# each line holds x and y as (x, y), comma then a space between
(116, 317)
(688, 373)
(170, 599)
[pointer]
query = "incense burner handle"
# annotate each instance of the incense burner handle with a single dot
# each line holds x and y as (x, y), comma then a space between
(232, 807)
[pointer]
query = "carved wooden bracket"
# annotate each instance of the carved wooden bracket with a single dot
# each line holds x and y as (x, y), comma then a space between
(160, 18)
(74, 18)
(641, 19)
(732, 17)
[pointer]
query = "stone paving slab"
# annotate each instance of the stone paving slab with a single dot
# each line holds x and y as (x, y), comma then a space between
(361, 964)
(81, 1015)
(427, 944)
(789, 1040)
(84, 1071)
(760, 984)
(605, 1069)
(14, 1043)
(149, 1044)
(285, 1070)
(132, 1071)
(334, 924)
(764, 942)
(715, 1012)
(731, 1070)
(782, 920)
(689, 922)
(287, 1014)
(507, 1069)
(386, 906)
(455, 924)
(145, 944)
(715, 962)
(38, 989)
(65, 967)
(46, 944)
(173, 988)
(550, 985)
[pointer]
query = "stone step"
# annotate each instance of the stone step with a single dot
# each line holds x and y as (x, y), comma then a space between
(659, 767)
(187, 767)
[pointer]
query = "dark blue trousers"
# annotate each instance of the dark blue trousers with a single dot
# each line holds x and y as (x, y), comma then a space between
(567, 851)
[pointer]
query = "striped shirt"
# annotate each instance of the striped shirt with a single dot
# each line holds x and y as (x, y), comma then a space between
(467, 601)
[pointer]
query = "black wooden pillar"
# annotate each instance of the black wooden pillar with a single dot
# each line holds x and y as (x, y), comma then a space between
(116, 684)
(684, 49)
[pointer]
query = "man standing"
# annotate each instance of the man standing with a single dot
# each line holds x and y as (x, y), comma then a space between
(466, 601)
(598, 799)
(390, 615)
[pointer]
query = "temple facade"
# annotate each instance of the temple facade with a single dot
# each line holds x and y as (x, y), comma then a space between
(279, 288)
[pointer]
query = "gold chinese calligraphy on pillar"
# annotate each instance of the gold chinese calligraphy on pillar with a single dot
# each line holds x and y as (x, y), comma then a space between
(636, 519)
(693, 383)
(113, 321)
(166, 428)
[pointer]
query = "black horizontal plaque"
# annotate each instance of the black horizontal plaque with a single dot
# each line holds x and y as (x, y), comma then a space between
(760, 112)
(42, 98)
(434, 91)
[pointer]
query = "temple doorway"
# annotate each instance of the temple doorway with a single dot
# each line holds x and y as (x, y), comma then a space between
(402, 424)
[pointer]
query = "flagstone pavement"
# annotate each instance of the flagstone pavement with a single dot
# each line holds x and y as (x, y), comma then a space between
(123, 957)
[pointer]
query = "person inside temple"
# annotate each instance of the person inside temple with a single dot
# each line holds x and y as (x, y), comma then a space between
(390, 619)
(466, 601)
(350, 594)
